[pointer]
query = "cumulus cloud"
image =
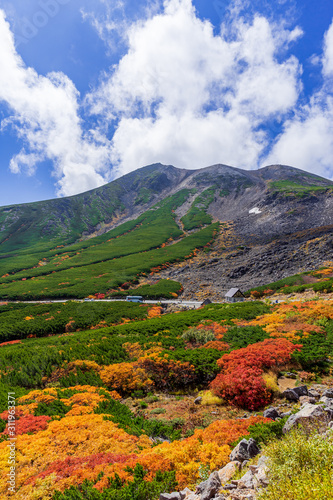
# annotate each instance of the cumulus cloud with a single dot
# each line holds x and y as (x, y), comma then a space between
(328, 52)
(45, 115)
(307, 139)
(187, 96)
(181, 94)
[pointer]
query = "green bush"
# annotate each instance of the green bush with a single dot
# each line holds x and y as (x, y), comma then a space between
(138, 489)
(300, 468)
(198, 336)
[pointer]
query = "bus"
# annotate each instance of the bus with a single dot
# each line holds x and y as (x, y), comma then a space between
(134, 298)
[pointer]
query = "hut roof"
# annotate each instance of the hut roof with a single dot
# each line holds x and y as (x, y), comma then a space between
(232, 292)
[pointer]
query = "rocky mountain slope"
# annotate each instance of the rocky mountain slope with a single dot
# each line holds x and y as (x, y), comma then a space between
(274, 222)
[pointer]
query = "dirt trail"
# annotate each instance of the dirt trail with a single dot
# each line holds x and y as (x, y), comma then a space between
(286, 383)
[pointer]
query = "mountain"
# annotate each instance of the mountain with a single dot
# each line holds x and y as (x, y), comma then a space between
(266, 223)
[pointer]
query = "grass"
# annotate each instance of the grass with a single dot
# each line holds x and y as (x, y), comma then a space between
(301, 467)
(290, 188)
(197, 215)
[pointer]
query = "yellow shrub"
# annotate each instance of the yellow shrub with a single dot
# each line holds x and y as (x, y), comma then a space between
(208, 399)
(270, 380)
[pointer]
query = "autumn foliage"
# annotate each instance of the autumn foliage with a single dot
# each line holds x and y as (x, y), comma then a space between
(241, 382)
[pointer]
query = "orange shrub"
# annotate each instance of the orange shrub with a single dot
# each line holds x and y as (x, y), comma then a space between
(125, 377)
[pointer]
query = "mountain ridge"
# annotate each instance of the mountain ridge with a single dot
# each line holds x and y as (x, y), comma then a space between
(266, 222)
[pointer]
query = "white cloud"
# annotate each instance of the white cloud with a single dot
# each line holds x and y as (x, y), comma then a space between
(328, 52)
(185, 96)
(45, 114)
(307, 140)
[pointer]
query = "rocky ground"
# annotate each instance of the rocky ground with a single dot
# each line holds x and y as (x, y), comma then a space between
(237, 261)
(247, 472)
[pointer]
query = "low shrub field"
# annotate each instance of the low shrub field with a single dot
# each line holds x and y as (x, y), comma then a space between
(92, 383)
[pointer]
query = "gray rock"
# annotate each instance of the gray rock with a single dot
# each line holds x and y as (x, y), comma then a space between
(328, 393)
(309, 414)
(327, 401)
(301, 390)
(253, 448)
(295, 393)
(306, 399)
(170, 496)
(244, 450)
(208, 489)
(246, 481)
(185, 493)
(230, 486)
(228, 471)
(198, 400)
(314, 394)
(290, 395)
(329, 412)
(291, 375)
(193, 496)
(319, 387)
(260, 476)
(271, 413)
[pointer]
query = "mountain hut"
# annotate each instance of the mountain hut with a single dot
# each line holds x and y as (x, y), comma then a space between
(234, 295)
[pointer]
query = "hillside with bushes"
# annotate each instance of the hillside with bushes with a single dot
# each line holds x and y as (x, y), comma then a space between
(125, 401)
(219, 226)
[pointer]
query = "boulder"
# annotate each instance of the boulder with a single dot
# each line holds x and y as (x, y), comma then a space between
(244, 450)
(290, 395)
(329, 412)
(314, 394)
(327, 401)
(328, 393)
(228, 471)
(306, 399)
(208, 489)
(260, 475)
(295, 393)
(185, 493)
(309, 414)
(170, 496)
(247, 480)
(301, 390)
(271, 413)
(286, 414)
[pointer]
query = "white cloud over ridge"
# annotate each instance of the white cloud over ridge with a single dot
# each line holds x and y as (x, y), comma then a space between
(182, 95)
(185, 96)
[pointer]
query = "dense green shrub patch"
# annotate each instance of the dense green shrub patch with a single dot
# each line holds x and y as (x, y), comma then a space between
(18, 321)
(33, 359)
(241, 336)
(138, 489)
(103, 276)
(197, 215)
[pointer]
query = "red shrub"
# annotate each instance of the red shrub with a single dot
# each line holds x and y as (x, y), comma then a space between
(241, 382)
(30, 423)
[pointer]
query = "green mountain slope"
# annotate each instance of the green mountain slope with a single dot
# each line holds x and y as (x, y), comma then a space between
(150, 218)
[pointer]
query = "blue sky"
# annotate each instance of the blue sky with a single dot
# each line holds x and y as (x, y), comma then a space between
(90, 91)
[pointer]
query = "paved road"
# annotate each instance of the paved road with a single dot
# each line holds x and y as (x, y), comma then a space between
(188, 303)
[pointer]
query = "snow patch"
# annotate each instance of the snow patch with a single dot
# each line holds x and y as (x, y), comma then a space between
(255, 210)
